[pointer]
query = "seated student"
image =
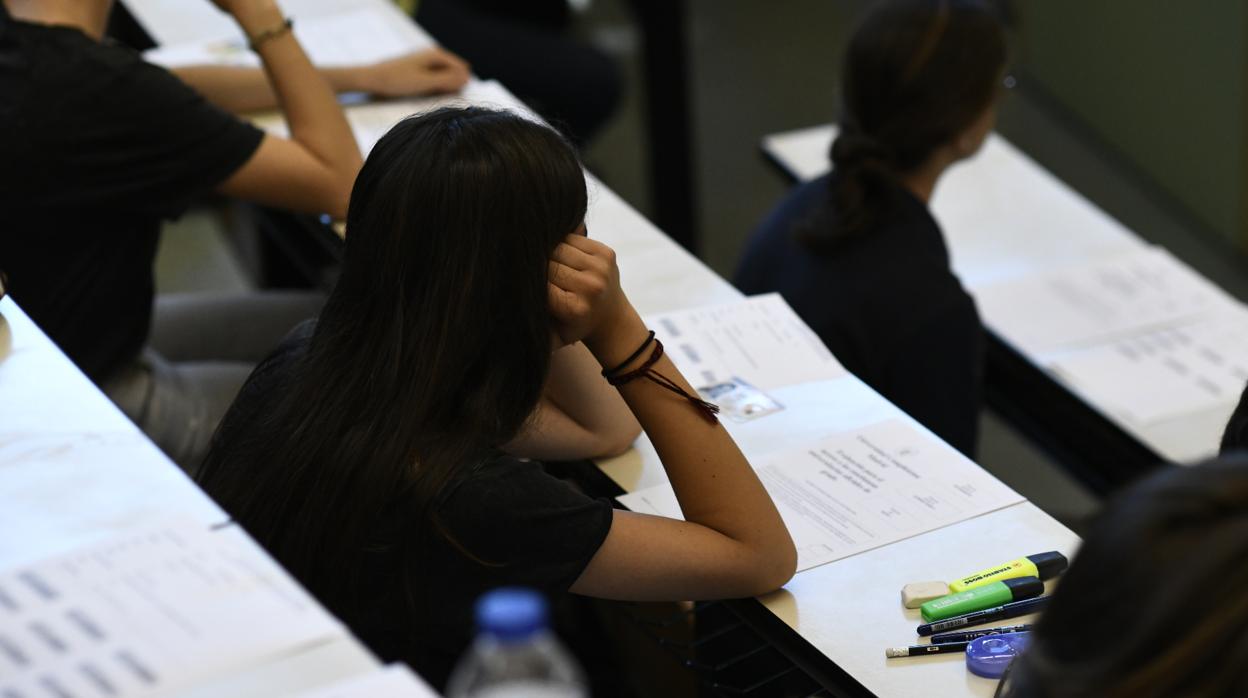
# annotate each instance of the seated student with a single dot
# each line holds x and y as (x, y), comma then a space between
(97, 148)
(856, 252)
(1156, 602)
(382, 457)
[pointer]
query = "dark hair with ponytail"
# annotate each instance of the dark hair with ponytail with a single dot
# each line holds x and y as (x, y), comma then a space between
(429, 355)
(1155, 604)
(916, 74)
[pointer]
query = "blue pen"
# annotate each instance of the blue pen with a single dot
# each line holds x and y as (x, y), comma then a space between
(988, 615)
(968, 635)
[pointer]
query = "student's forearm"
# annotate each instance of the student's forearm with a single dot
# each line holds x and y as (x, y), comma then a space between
(308, 102)
(240, 90)
(713, 481)
(577, 388)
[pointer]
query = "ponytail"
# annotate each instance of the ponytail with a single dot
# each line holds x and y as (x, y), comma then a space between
(856, 194)
(916, 74)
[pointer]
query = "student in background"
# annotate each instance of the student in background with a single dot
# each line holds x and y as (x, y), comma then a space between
(857, 252)
(97, 148)
(1155, 605)
(379, 457)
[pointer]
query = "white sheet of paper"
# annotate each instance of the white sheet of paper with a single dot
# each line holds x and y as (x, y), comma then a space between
(760, 339)
(391, 681)
(146, 613)
(862, 489)
(370, 121)
(357, 37)
(1089, 303)
(1159, 375)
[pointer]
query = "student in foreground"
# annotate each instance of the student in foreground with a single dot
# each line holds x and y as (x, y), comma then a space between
(97, 147)
(856, 252)
(1156, 602)
(382, 456)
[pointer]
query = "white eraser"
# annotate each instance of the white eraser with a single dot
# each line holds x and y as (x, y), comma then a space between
(916, 594)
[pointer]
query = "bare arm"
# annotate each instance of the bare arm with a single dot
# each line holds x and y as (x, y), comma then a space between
(733, 541)
(241, 90)
(313, 170)
(580, 415)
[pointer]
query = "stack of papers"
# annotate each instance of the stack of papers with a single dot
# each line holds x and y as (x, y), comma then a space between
(150, 613)
(862, 489)
(357, 37)
(393, 681)
(1140, 335)
(1088, 304)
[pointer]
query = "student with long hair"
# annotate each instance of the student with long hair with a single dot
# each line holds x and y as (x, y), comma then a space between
(381, 455)
(1155, 605)
(856, 252)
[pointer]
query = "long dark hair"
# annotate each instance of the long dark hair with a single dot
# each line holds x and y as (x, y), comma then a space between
(1156, 602)
(430, 354)
(916, 74)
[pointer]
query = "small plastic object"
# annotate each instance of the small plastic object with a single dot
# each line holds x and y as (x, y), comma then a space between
(989, 656)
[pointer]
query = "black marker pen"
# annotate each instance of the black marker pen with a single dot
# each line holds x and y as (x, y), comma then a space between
(988, 615)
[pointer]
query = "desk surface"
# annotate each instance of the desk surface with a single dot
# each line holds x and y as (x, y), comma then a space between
(75, 471)
(849, 610)
(1006, 217)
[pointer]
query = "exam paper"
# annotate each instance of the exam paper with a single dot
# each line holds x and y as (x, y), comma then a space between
(861, 489)
(392, 681)
(357, 37)
(370, 121)
(1159, 375)
(150, 613)
(1111, 298)
(759, 339)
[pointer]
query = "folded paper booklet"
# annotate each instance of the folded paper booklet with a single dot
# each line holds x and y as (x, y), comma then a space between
(861, 489)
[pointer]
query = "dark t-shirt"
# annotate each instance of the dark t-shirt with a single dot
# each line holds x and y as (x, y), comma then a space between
(96, 147)
(529, 528)
(886, 303)
(1235, 436)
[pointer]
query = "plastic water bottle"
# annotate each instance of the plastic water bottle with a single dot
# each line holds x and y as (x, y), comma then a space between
(515, 655)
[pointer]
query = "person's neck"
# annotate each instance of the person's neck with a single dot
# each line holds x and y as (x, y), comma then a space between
(922, 181)
(89, 16)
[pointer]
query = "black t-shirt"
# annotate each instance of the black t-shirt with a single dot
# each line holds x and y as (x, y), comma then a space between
(96, 147)
(886, 303)
(526, 526)
(1235, 436)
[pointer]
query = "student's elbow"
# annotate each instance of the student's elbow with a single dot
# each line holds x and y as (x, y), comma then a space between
(779, 568)
(619, 438)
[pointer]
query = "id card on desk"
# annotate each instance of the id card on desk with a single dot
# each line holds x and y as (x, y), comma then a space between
(739, 401)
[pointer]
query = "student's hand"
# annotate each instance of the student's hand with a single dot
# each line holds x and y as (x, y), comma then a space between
(586, 299)
(431, 71)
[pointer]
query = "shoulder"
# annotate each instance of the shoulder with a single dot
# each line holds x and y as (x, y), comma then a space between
(270, 376)
(513, 511)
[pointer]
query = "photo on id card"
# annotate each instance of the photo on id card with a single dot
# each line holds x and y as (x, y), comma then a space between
(739, 401)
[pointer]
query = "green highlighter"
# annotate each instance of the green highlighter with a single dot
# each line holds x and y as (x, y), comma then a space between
(979, 598)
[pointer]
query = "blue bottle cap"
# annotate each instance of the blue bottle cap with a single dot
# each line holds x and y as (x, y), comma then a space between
(511, 613)
(990, 655)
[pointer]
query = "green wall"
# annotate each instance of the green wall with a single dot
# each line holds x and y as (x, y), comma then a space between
(1162, 82)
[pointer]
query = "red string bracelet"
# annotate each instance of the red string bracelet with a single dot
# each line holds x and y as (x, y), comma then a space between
(646, 370)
